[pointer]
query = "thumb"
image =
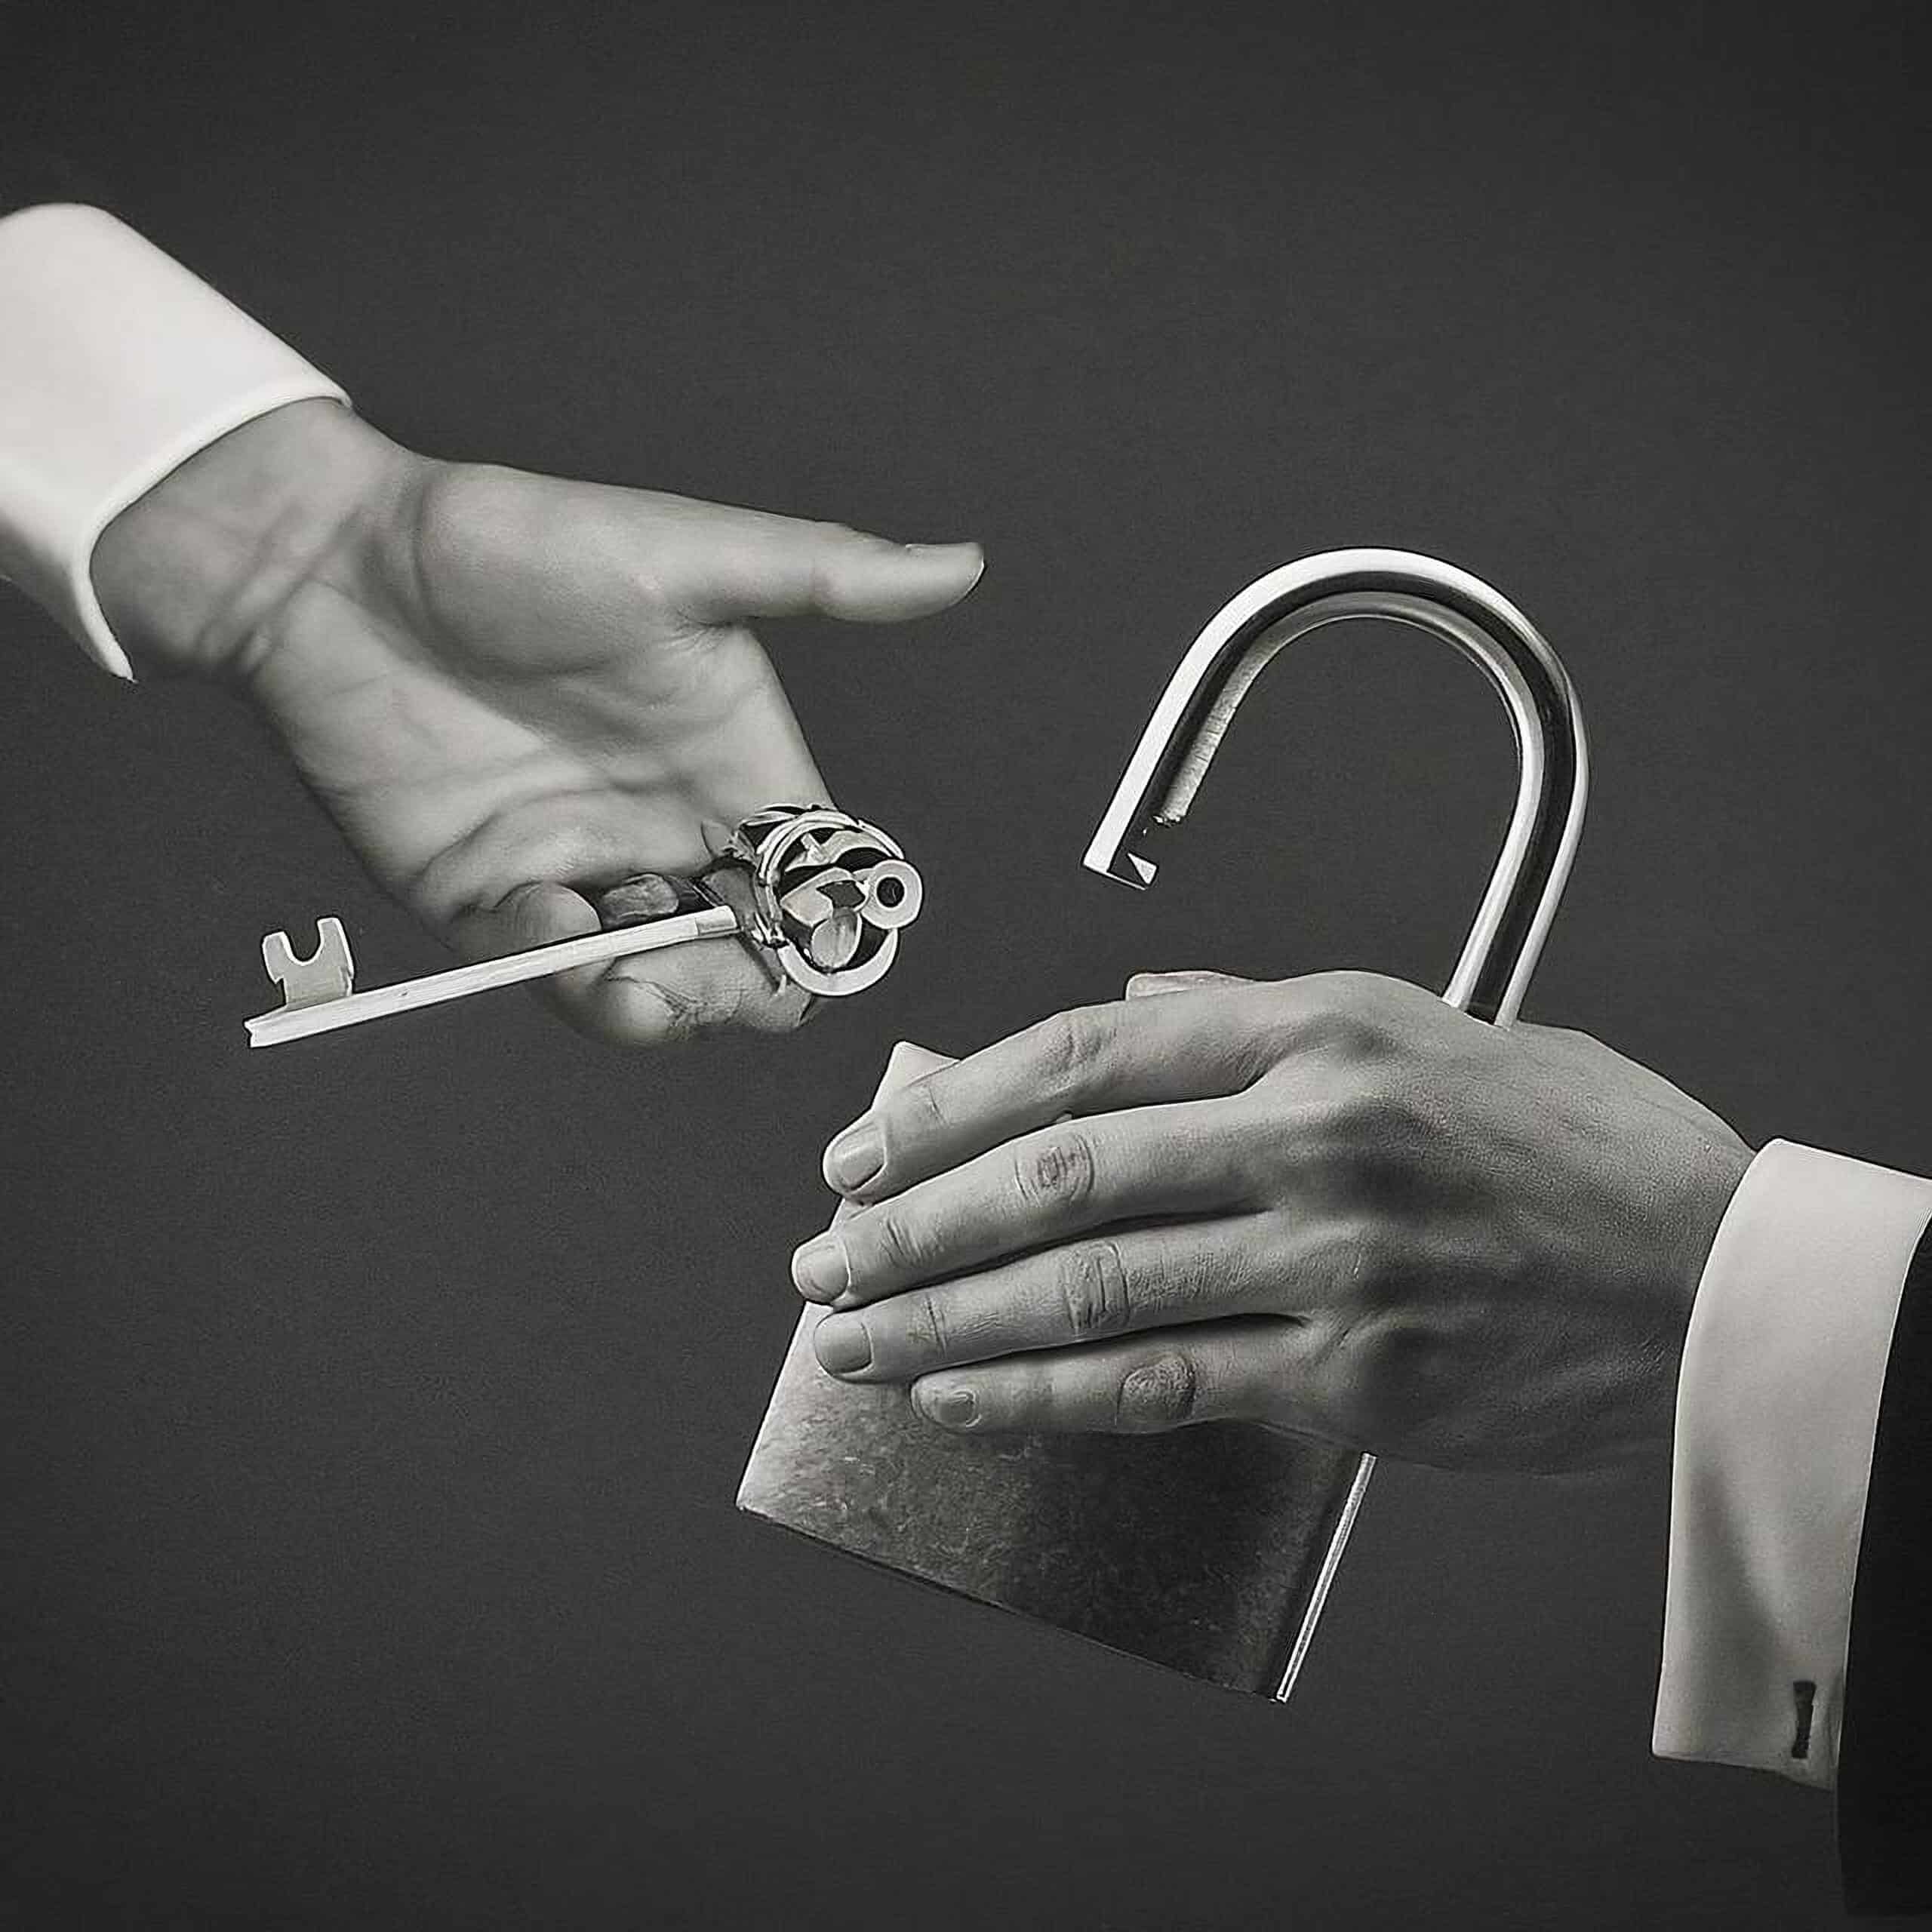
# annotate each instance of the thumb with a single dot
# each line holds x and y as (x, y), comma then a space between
(1146, 985)
(721, 564)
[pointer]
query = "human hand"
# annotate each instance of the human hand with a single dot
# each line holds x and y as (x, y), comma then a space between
(508, 689)
(1332, 1204)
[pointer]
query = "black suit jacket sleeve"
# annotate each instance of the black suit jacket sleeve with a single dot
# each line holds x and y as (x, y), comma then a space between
(1884, 1780)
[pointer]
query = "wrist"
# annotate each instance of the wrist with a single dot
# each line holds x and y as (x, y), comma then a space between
(1715, 1171)
(194, 576)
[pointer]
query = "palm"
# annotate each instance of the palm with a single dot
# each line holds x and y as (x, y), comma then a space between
(543, 687)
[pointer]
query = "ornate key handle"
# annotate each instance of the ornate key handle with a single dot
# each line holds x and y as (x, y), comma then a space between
(825, 893)
(822, 894)
(1513, 919)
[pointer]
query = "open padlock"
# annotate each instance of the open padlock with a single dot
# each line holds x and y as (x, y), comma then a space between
(1210, 1550)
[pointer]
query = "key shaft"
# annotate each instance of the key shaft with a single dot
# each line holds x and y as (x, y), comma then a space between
(275, 1029)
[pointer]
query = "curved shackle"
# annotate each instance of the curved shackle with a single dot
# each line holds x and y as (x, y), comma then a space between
(1199, 703)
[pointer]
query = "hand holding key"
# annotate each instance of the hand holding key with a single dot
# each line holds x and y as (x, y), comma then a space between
(511, 690)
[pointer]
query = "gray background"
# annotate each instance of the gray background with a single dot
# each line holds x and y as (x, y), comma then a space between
(374, 1408)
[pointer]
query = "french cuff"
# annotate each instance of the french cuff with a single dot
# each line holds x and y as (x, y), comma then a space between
(1777, 1405)
(116, 366)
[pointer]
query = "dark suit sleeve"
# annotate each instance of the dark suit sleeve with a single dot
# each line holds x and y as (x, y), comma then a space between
(1884, 1781)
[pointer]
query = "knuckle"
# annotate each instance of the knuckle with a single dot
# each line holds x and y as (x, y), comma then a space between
(1032, 1393)
(829, 549)
(1378, 1133)
(927, 1331)
(1343, 1386)
(923, 1105)
(1093, 1290)
(898, 1240)
(1161, 1394)
(1071, 1043)
(1346, 986)
(1057, 1173)
(1354, 1016)
(1374, 1270)
(1367, 1103)
(1212, 1282)
(1386, 1380)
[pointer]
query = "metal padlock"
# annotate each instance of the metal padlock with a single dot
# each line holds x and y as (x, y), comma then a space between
(1210, 1550)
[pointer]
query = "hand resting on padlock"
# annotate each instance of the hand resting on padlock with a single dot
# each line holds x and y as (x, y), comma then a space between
(1332, 1204)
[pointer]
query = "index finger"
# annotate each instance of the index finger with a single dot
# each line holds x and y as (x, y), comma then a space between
(719, 564)
(1199, 1044)
(1149, 1162)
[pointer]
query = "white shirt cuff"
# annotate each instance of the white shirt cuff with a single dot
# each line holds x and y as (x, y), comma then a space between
(1777, 1403)
(116, 365)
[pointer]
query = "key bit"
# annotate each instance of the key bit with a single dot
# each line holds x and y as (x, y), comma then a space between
(328, 973)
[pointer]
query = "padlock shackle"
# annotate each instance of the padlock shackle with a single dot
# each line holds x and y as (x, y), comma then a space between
(1202, 697)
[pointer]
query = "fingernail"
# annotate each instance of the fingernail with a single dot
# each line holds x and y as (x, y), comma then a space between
(819, 1269)
(855, 1156)
(1144, 984)
(939, 550)
(951, 1408)
(843, 1344)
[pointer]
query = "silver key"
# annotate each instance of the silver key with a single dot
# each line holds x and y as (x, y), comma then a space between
(824, 895)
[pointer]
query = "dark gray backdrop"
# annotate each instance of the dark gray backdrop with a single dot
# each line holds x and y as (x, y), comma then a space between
(375, 1407)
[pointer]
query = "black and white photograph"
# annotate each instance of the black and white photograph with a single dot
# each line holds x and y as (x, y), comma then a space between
(965, 968)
